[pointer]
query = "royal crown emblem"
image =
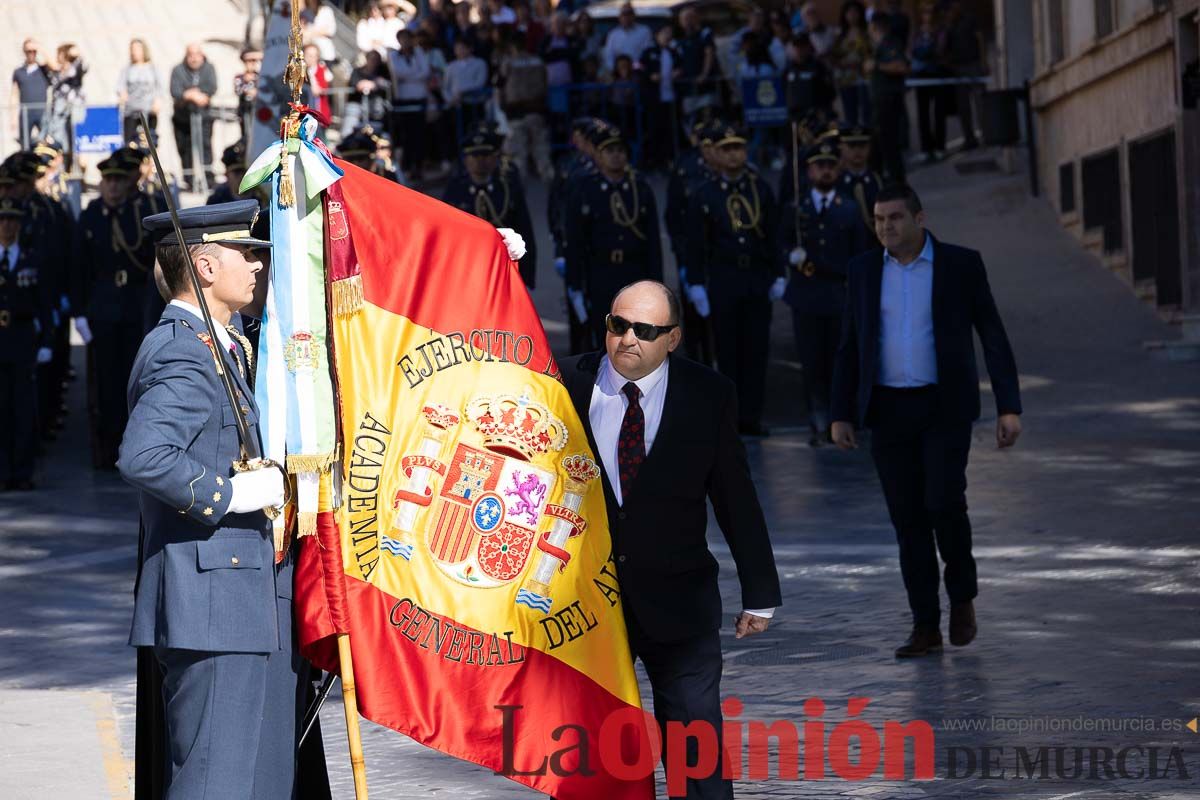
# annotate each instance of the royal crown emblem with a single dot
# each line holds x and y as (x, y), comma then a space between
(517, 426)
(485, 511)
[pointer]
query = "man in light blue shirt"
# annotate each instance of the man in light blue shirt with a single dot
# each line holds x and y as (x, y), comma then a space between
(907, 357)
(906, 369)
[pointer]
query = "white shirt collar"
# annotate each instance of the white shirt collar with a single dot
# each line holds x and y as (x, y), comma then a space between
(818, 196)
(611, 382)
(12, 253)
(222, 334)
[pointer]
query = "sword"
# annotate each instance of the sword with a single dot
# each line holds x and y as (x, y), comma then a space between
(310, 716)
(796, 178)
(251, 452)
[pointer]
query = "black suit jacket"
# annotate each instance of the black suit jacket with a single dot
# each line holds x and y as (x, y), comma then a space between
(668, 576)
(962, 301)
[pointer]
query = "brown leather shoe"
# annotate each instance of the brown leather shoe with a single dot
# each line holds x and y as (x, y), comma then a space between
(922, 641)
(962, 623)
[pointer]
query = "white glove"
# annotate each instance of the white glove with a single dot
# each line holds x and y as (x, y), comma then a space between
(560, 266)
(81, 327)
(797, 256)
(256, 490)
(699, 297)
(514, 243)
(776, 291)
(44, 355)
(578, 304)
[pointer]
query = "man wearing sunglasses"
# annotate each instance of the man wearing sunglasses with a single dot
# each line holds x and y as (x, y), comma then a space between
(665, 430)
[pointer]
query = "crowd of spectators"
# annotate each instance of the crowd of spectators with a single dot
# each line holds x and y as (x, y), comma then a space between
(532, 66)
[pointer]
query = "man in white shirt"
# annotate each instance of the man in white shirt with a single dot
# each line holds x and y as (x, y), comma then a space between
(410, 92)
(665, 430)
(629, 38)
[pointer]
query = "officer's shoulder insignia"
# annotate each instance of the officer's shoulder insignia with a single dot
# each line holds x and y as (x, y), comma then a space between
(208, 512)
(204, 337)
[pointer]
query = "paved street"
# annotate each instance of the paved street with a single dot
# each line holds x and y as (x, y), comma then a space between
(1085, 536)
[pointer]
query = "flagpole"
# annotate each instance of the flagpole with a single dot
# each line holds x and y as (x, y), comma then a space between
(350, 705)
(293, 76)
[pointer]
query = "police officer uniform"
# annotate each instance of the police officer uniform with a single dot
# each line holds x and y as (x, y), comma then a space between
(496, 199)
(209, 599)
(45, 228)
(612, 235)
(234, 159)
(25, 339)
(821, 235)
(733, 233)
(114, 262)
(51, 191)
(863, 187)
(689, 172)
(572, 170)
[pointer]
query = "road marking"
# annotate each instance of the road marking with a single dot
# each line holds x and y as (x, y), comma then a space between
(117, 768)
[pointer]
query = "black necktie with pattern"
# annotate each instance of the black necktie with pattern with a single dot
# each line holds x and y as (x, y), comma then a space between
(631, 446)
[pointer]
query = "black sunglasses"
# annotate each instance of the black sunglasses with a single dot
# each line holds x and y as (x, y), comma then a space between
(617, 326)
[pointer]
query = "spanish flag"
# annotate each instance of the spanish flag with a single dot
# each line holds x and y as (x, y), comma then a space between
(466, 550)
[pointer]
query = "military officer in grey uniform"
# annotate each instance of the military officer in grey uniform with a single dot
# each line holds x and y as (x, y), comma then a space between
(484, 190)
(612, 233)
(26, 337)
(820, 234)
(208, 599)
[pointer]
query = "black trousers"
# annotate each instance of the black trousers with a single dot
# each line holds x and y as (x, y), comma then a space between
(964, 100)
(410, 133)
(131, 125)
(114, 348)
(921, 458)
(931, 117)
(816, 341)
(741, 326)
(181, 122)
(18, 420)
(889, 117)
(685, 681)
(697, 334)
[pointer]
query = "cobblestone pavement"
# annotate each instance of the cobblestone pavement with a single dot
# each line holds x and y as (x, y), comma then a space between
(1085, 536)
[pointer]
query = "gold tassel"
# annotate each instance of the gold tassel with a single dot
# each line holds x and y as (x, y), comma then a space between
(347, 295)
(320, 462)
(287, 187)
(307, 523)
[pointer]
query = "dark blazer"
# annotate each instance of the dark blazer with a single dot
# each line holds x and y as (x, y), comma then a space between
(207, 580)
(962, 301)
(668, 576)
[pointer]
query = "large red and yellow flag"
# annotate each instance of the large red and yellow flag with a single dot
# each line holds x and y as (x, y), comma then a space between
(469, 558)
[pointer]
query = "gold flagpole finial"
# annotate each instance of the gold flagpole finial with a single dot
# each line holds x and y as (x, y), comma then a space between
(293, 76)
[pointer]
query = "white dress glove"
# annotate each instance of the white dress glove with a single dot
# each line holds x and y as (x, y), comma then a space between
(578, 304)
(514, 243)
(256, 490)
(81, 327)
(776, 291)
(797, 256)
(44, 354)
(699, 297)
